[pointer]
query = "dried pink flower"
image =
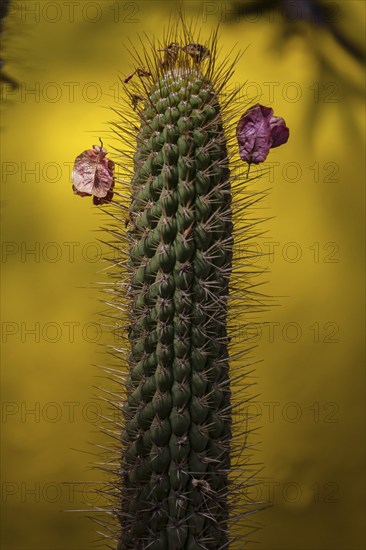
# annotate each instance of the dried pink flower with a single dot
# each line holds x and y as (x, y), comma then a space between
(93, 175)
(258, 131)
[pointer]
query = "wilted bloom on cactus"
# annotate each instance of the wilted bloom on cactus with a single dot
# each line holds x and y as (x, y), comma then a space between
(93, 175)
(258, 131)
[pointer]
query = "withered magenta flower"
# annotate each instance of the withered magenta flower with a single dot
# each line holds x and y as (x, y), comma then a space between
(258, 131)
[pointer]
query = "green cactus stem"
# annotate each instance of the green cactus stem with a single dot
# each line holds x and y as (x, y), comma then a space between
(184, 464)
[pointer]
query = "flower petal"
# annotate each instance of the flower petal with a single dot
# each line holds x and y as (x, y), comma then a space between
(279, 131)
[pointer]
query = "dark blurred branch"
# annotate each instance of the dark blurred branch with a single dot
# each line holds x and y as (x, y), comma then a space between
(312, 11)
(4, 8)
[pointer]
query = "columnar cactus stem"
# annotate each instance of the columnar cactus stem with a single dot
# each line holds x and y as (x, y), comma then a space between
(180, 475)
(177, 434)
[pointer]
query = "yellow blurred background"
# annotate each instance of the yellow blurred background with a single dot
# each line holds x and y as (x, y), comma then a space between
(67, 57)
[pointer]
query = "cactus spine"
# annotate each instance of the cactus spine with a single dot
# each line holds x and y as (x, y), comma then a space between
(177, 486)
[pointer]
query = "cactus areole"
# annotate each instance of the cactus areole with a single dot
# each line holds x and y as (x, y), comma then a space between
(182, 467)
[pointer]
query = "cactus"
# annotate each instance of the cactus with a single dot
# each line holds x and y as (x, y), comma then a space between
(183, 463)
(177, 414)
(175, 488)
